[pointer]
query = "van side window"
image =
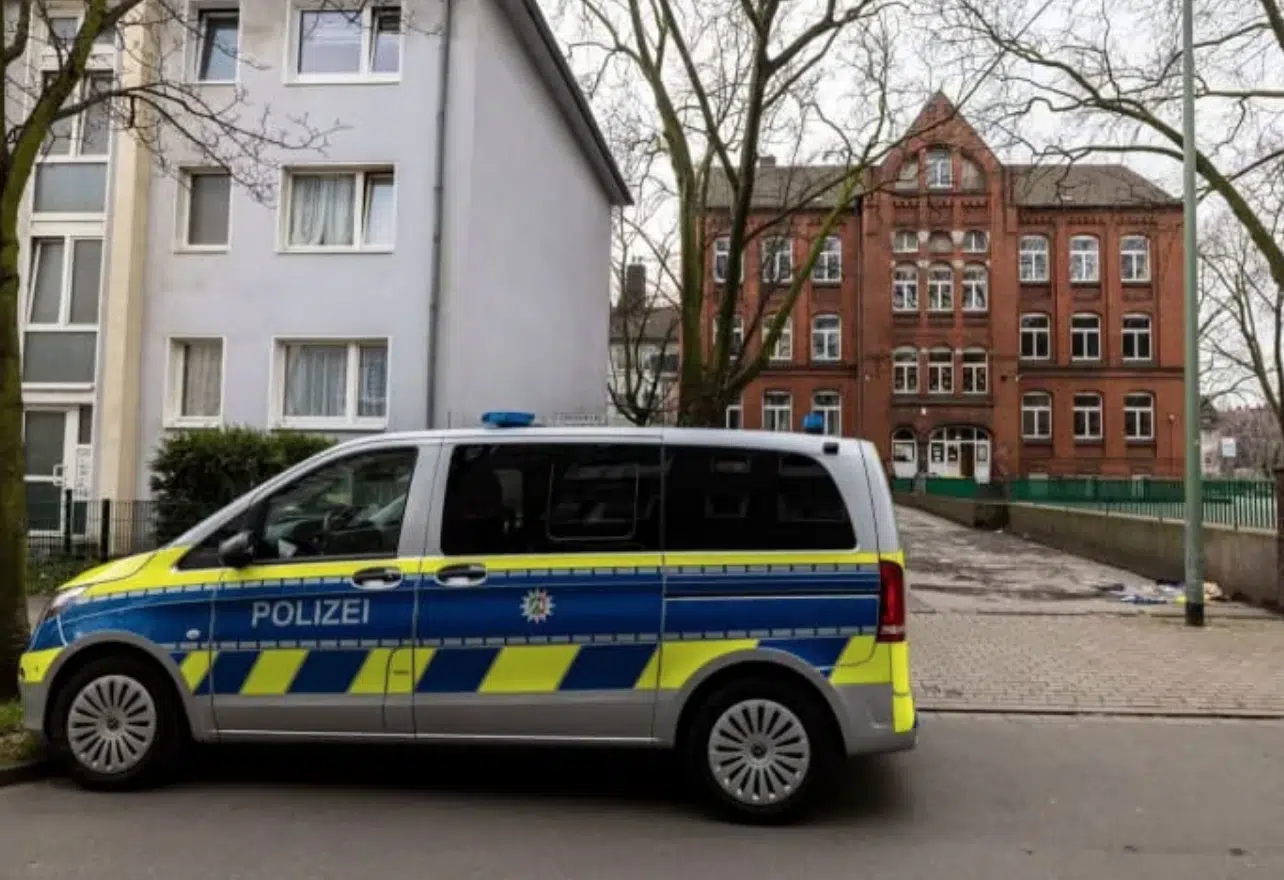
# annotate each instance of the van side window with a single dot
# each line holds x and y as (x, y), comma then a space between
(726, 499)
(520, 498)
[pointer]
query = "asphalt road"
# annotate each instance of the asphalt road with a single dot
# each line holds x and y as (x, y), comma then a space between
(983, 797)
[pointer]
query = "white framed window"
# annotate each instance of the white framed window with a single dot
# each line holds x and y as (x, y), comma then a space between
(1085, 337)
(976, 371)
(940, 288)
(1036, 415)
(735, 416)
(905, 371)
(1034, 259)
(87, 135)
(331, 383)
(205, 210)
(60, 32)
(777, 260)
(1087, 417)
(830, 406)
(904, 447)
(217, 45)
(737, 339)
(1139, 416)
(60, 328)
(940, 371)
(722, 257)
(826, 338)
(1036, 337)
(783, 350)
(905, 241)
(1134, 259)
(905, 289)
(1085, 259)
(340, 210)
(777, 411)
(828, 268)
(1136, 338)
(337, 45)
(940, 169)
(195, 381)
(976, 241)
(976, 288)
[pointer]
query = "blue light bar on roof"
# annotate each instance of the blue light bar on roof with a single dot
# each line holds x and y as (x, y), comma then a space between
(504, 419)
(813, 423)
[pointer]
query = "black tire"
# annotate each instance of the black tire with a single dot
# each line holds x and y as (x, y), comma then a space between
(802, 793)
(158, 761)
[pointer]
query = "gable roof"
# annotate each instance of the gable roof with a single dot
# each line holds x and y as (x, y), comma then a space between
(1031, 186)
(655, 324)
(541, 47)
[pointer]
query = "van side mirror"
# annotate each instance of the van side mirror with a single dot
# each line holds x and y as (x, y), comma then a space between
(238, 550)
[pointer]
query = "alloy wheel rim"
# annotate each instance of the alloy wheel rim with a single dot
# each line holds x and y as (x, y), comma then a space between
(112, 724)
(759, 752)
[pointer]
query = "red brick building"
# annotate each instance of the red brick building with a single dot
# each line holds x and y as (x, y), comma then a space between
(976, 319)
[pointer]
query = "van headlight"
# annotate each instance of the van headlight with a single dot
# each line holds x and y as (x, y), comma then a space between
(62, 599)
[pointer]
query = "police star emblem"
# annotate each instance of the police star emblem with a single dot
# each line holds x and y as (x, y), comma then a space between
(537, 606)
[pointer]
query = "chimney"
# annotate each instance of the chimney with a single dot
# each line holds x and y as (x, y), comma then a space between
(766, 161)
(633, 297)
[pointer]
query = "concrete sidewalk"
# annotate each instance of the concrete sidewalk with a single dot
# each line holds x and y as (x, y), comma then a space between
(1140, 664)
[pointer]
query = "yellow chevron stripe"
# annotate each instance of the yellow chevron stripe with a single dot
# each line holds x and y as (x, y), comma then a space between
(372, 677)
(195, 667)
(33, 666)
(528, 669)
(273, 672)
(675, 662)
(406, 667)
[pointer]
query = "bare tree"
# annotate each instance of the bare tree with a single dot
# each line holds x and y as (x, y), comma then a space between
(722, 84)
(81, 73)
(1107, 76)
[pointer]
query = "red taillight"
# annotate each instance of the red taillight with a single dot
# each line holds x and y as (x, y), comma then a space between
(891, 602)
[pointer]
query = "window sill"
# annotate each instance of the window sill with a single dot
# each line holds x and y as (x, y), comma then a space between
(1037, 441)
(348, 250)
(1138, 362)
(1085, 361)
(829, 361)
(343, 79)
(1135, 282)
(202, 248)
(1089, 441)
(1139, 441)
(179, 423)
(224, 83)
(1034, 282)
(324, 424)
(827, 282)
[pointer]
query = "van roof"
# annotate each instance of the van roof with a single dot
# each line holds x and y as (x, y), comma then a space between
(783, 441)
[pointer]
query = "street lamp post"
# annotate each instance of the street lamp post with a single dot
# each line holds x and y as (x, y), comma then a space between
(1194, 458)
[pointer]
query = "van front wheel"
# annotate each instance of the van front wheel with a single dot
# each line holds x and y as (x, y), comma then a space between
(759, 750)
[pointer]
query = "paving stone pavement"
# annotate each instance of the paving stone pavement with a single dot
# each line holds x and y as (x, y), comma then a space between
(1143, 664)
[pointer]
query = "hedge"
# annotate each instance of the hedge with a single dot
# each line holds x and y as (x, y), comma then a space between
(196, 472)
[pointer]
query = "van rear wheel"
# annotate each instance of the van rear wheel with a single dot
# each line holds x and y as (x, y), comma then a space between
(759, 751)
(115, 725)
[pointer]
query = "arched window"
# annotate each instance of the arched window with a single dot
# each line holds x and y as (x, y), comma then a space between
(1034, 259)
(1085, 337)
(735, 417)
(940, 371)
(976, 371)
(976, 288)
(1087, 416)
(976, 241)
(830, 406)
(1085, 259)
(904, 452)
(1136, 337)
(940, 169)
(1036, 415)
(826, 338)
(783, 350)
(1134, 258)
(1139, 416)
(940, 288)
(905, 289)
(777, 411)
(1036, 337)
(905, 241)
(905, 371)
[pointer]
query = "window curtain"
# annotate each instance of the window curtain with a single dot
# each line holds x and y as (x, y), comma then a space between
(202, 378)
(372, 393)
(316, 380)
(321, 210)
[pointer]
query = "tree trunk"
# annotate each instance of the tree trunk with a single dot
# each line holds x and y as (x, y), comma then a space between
(13, 508)
(701, 409)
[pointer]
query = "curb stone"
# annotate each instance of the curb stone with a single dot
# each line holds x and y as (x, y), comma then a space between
(27, 771)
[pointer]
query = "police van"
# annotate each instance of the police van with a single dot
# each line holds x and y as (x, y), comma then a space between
(737, 596)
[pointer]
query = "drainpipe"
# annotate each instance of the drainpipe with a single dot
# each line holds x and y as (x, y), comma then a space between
(439, 212)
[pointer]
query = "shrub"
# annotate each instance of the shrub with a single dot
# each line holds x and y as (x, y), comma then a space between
(196, 472)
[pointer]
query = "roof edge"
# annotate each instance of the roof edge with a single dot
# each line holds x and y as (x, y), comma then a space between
(541, 46)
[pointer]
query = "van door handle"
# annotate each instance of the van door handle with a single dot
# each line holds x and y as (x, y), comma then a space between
(376, 578)
(468, 574)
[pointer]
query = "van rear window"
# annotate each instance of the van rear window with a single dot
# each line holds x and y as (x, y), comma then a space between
(744, 499)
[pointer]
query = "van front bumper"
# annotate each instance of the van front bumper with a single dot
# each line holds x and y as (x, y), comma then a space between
(33, 685)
